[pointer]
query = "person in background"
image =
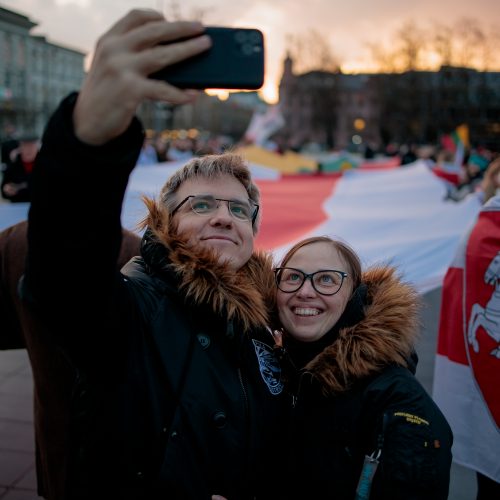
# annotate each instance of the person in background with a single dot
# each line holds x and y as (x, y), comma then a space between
(490, 183)
(161, 145)
(180, 149)
(16, 178)
(471, 177)
(8, 143)
(362, 425)
(408, 153)
(148, 154)
(176, 388)
(52, 374)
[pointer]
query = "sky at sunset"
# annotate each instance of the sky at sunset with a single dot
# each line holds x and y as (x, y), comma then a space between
(347, 26)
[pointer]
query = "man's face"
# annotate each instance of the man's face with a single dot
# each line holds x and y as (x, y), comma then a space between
(230, 237)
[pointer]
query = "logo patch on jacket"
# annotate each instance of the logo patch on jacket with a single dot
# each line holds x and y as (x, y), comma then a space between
(269, 367)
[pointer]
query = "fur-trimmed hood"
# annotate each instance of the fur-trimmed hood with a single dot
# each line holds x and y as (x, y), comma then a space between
(386, 335)
(245, 296)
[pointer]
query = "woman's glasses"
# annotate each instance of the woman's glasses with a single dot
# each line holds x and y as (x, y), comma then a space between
(325, 282)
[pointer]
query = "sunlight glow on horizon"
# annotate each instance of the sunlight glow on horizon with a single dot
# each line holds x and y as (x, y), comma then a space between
(348, 31)
(268, 93)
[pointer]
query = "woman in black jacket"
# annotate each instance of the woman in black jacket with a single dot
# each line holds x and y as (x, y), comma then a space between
(363, 426)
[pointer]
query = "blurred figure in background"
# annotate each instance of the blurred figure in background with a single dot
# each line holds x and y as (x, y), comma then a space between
(52, 372)
(490, 184)
(471, 177)
(148, 155)
(180, 149)
(408, 153)
(8, 142)
(17, 174)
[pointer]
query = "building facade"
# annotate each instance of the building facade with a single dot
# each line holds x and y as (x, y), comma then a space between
(336, 110)
(328, 109)
(35, 74)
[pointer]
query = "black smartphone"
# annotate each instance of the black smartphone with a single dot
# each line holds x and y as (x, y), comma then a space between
(235, 61)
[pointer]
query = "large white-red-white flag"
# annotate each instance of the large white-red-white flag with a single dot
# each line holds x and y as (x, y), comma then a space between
(467, 369)
(391, 215)
(398, 216)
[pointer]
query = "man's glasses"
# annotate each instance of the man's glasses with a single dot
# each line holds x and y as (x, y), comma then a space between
(205, 204)
(325, 282)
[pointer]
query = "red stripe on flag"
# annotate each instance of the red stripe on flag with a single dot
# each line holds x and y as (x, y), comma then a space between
(386, 164)
(291, 207)
(452, 177)
(482, 305)
(451, 341)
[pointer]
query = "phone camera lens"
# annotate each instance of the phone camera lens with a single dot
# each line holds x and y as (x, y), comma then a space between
(240, 36)
(254, 37)
(247, 49)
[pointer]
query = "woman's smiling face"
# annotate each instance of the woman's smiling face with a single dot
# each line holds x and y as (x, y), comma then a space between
(306, 314)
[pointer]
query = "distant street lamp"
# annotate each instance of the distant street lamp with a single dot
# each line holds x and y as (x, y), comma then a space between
(356, 139)
(359, 124)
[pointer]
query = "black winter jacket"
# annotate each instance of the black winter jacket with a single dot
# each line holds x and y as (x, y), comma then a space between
(356, 396)
(177, 392)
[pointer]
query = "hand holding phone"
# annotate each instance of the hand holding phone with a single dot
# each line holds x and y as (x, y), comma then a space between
(235, 61)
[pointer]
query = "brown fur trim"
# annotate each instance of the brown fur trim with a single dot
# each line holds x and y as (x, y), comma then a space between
(387, 334)
(246, 295)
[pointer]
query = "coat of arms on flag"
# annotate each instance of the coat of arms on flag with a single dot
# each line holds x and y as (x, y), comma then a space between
(467, 368)
(482, 311)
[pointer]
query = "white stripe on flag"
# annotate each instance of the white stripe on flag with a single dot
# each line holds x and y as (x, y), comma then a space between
(398, 216)
(474, 431)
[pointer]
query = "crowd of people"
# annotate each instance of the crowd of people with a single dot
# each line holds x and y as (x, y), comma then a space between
(190, 367)
(157, 148)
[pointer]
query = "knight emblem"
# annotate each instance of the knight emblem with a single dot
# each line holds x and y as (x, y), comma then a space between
(482, 319)
(488, 316)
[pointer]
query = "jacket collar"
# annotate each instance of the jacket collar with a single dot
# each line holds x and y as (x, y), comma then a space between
(245, 296)
(385, 335)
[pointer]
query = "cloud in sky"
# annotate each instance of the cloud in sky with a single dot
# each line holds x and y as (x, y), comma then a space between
(347, 26)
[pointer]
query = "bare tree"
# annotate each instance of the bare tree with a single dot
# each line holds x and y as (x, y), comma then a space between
(312, 52)
(442, 43)
(384, 59)
(464, 43)
(489, 52)
(174, 12)
(410, 42)
(405, 52)
(470, 41)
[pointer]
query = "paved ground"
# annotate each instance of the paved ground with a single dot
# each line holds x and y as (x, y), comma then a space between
(17, 474)
(17, 460)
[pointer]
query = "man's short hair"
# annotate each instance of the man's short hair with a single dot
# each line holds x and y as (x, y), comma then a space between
(211, 167)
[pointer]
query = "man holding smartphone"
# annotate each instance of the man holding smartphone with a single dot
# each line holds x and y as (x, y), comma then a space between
(176, 391)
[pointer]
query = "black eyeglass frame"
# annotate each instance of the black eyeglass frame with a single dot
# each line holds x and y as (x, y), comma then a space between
(254, 215)
(309, 276)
